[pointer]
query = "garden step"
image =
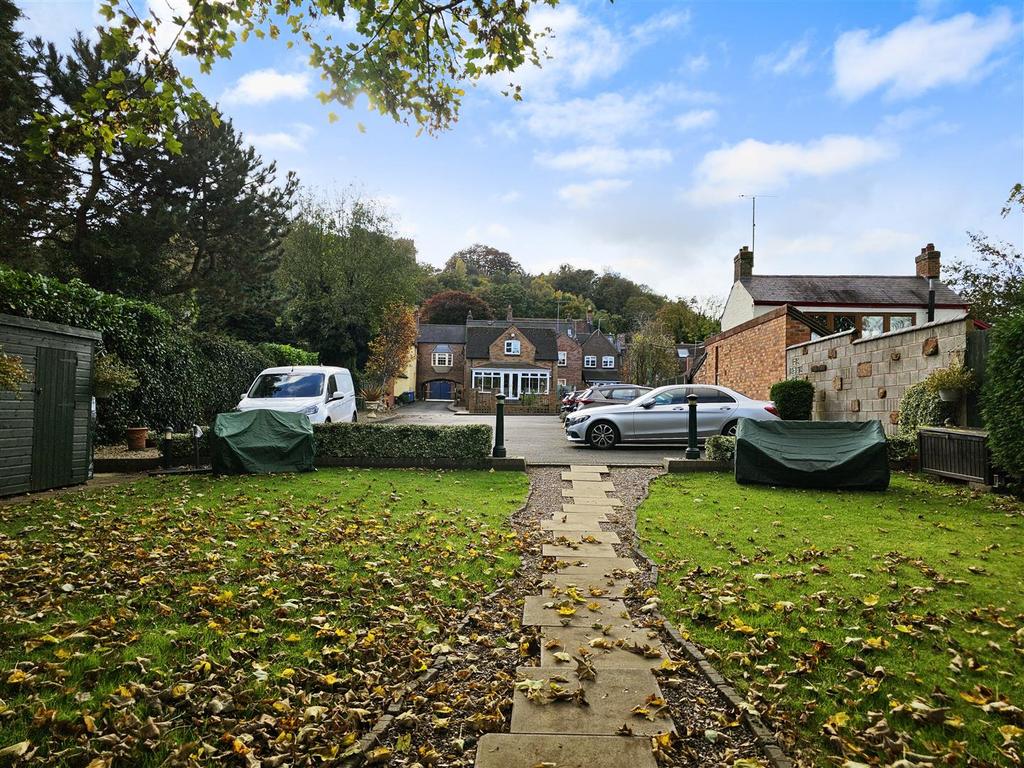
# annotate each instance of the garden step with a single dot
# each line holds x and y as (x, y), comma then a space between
(593, 488)
(586, 477)
(591, 507)
(574, 522)
(607, 586)
(591, 565)
(590, 501)
(537, 614)
(578, 550)
(610, 699)
(579, 533)
(510, 750)
(572, 639)
(588, 468)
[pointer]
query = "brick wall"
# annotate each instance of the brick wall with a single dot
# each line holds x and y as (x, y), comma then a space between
(425, 372)
(527, 351)
(752, 356)
(572, 372)
(864, 379)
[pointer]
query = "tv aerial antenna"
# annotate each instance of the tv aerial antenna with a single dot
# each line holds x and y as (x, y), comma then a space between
(753, 216)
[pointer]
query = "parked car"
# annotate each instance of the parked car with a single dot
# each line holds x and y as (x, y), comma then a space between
(569, 401)
(609, 394)
(662, 416)
(323, 393)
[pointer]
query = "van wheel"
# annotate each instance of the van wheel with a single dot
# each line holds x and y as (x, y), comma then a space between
(327, 420)
(355, 417)
(729, 430)
(603, 435)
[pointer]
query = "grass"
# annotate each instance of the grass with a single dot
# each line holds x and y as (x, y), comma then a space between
(198, 618)
(869, 627)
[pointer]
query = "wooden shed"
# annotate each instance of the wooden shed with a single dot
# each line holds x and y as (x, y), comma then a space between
(45, 435)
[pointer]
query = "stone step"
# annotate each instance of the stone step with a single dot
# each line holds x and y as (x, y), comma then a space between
(572, 566)
(553, 586)
(588, 468)
(578, 550)
(586, 477)
(509, 750)
(536, 612)
(573, 522)
(610, 699)
(578, 534)
(589, 488)
(572, 639)
(590, 501)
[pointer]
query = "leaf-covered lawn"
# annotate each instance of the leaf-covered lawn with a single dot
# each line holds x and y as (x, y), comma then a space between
(251, 618)
(872, 627)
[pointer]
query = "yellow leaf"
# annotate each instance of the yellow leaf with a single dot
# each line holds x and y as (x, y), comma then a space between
(17, 676)
(870, 600)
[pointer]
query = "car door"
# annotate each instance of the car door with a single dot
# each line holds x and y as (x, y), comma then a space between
(663, 421)
(715, 409)
(334, 407)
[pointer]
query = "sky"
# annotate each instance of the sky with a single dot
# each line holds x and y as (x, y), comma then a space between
(866, 130)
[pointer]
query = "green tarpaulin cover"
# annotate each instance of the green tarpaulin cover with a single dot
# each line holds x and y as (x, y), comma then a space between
(812, 454)
(262, 441)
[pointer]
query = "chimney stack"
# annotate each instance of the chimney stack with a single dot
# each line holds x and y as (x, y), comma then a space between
(590, 319)
(743, 264)
(508, 313)
(928, 262)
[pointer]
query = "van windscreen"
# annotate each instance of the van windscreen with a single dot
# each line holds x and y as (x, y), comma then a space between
(288, 385)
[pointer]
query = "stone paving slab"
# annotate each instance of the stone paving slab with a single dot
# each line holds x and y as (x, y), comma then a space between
(509, 750)
(597, 488)
(571, 639)
(578, 534)
(604, 586)
(581, 476)
(589, 468)
(611, 697)
(594, 565)
(537, 614)
(578, 550)
(587, 509)
(574, 523)
(601, 513)
(592, 501)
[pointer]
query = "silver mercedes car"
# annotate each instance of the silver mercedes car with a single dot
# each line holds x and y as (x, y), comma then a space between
(662, 415)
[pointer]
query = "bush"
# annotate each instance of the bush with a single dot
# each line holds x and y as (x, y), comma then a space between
(901, 447)
(921, 407)
(183, 376)
(1002, 404)
(401, 441)
(956, 376)
(794, 399)
(720, 448)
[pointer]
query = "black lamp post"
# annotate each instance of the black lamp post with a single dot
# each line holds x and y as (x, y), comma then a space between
(499, 427)
(692, 451)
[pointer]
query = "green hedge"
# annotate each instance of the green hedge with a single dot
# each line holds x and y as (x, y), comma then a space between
(920, 406)
(1002, 402)
(720, 448)
(402, 441)
(793, 398)
(184, 376)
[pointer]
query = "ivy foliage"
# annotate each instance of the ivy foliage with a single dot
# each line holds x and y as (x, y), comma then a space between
(921, 407)
(1002, 404)
(793, 398)
(720, 448)
(183, 376)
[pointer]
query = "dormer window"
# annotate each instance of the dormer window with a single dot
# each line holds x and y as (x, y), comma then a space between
(590, 361)
(608, 361)
(511, 346)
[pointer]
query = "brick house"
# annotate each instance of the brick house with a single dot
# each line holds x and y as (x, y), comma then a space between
(765, 314)
(521, 363)
(440, 361)
(602, 363)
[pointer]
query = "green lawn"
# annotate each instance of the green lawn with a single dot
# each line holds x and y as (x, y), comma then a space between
(871, 627)
(199, 618)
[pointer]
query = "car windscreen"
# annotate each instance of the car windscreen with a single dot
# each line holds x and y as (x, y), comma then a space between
(288, 385)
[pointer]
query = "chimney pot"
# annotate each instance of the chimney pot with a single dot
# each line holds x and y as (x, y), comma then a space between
(929, 262)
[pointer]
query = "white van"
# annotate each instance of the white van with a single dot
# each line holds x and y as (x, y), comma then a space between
(323, 393)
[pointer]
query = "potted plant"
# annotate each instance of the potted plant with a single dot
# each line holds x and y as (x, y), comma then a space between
(112, 376)
(373, 395)
(951, 383)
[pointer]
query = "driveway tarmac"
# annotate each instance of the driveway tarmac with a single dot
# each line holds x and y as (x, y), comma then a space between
(540, 439)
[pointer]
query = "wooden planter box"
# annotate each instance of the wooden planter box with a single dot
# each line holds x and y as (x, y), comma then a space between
(961, 454)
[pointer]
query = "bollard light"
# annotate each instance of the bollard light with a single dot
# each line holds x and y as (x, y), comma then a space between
(692, 451)
(499, 428)
(165, 446)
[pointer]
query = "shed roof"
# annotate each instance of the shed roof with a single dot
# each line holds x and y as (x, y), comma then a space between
(860, 290)
(47, 327)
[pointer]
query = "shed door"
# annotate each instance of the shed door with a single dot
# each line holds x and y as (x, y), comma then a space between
(53, 430)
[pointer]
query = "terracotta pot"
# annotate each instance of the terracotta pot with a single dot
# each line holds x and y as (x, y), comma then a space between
(137, 438)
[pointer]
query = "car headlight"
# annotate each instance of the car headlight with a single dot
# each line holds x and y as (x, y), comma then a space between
(309, 410)
(579, 419)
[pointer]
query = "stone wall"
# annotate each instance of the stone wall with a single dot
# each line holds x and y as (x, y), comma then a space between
(859, 379)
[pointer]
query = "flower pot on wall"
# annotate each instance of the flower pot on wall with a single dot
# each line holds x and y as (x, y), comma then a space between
(137, 438)
(950, 395)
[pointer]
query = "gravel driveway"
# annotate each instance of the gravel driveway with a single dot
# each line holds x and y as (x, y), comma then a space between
(540, 439)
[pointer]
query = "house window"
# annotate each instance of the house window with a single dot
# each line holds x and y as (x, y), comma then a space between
(512, 346)
(562, 384)
(590, 361)
(608, 361)
(844, 323)
(534, 382)
(563, 359)
(872, 325)
(486, 381)
(899, 322)
(441, 359)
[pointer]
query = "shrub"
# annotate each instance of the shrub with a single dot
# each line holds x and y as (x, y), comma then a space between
(956, 376)
(1002, 404)
(921, 407)
(794, 399)
(901, 447)
(12, 373)
(403, 441)
(111, 376)
(720, 448)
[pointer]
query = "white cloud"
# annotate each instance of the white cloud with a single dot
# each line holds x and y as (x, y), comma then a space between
(584, 194)
(920, 55)
(695, 118)
(789, 58)
(697, 64)
(262, 86)
(294, 140)
(605, 160)
(651, 29)
(511, 196)
(753, 166)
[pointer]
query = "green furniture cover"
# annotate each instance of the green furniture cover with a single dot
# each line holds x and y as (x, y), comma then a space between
(261, 441)
(848, 455)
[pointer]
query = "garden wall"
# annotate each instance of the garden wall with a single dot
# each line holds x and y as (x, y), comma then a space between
(858, 379)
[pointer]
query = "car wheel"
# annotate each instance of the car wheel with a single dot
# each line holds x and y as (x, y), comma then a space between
(602, 435)
(729, 430)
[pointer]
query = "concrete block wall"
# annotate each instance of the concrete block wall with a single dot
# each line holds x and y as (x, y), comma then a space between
(859, 379)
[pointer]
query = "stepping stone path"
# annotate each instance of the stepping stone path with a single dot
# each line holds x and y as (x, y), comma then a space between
(590, 650)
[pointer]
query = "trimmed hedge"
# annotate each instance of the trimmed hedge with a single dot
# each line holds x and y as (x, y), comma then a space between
(793, 398)
(403, 441)
(184, 376)
(1002, 403)
(720, 448)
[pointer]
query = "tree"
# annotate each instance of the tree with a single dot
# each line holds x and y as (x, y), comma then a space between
(484, 261)
(394, 345)
(412, 60)
(1002, 405)
(651, 356)
(690, 320)
(452, 307)
(577, 281)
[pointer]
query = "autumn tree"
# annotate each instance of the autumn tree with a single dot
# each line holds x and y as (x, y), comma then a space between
(452, 307)
(392, 347)
(651, 356)
(484, 261)
(690, 320)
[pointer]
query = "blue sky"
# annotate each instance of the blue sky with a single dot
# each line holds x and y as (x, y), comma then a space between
(870, 129)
